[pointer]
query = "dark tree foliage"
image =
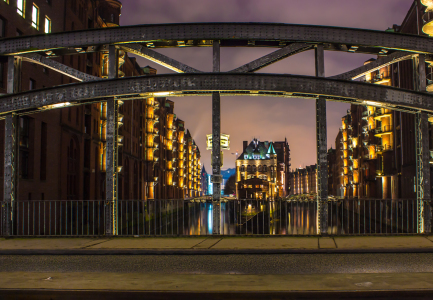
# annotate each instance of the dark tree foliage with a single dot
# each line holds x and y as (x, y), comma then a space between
(230, 187)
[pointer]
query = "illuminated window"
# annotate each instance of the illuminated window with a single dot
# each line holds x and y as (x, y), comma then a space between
(20, 7)
(47, 25)
(35, 17)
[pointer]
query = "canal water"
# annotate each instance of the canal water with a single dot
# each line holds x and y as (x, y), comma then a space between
(243, 217)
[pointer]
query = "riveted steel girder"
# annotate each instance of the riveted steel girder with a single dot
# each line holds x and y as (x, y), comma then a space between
(273, 57)
(216, 144)
(227, 84)
(423, 192)
(10, 171)
(230, 34)
(111, 167)
(58, 67)
(374, 66)
(158, 58)
(321, 147)
(14, 74)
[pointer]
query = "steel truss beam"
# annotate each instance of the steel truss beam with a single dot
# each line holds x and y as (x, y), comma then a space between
(216, 145)
(374, 66)
(322, 147)
(111, 145)
(58, 67)
(111, 167)
(158, 58)
(230, 34)
(273, 57)
(228, 84)
(423, 192)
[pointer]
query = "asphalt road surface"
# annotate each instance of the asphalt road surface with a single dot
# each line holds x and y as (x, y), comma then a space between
(223, 264)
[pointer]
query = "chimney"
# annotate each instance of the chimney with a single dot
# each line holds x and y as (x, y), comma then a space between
(245, 145)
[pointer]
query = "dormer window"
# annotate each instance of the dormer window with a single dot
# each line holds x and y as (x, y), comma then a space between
(245, 156)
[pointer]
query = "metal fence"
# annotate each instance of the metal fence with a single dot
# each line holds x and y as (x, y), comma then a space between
(374, 217)
(195, 217)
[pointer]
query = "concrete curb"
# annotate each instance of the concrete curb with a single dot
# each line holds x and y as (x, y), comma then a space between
(14, 294)
(207, 251)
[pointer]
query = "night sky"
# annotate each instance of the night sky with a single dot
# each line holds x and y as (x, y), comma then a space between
(265, 118)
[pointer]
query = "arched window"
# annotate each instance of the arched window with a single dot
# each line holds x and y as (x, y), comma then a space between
(249, 169)
(242, 168)
(260, 168)
(265, 168)
(254, 169)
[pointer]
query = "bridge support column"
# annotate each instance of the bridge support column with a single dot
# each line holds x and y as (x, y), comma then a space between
(10, 171)
(322, 161)
(216, 145)
(11, 151)
(111, 160)
(423, 192)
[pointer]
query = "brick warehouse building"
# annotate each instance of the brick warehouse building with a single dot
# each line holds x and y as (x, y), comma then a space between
(62, 151)
(376, 154)
(262, 170)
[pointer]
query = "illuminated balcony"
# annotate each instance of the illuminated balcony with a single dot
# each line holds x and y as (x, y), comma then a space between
(370, 156)
(380, 114)
(382, 80)
(387, 129)
(383, 148)
(428, 17)
(155, 104)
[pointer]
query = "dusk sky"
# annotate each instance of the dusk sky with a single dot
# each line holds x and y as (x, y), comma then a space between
(265, 118)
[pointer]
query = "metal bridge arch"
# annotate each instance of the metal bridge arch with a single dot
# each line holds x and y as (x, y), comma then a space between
(289, 39)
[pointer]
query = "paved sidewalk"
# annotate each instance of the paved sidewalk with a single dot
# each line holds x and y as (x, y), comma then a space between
(217, 245)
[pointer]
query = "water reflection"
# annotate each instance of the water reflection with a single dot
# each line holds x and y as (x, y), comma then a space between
(252, 217)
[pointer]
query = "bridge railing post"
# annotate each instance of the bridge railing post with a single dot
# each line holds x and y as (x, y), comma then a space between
(321, 148)
(216, 145)
(112, 163)
(423, 192)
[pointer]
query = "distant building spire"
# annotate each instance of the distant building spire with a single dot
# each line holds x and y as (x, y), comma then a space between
(271, 149)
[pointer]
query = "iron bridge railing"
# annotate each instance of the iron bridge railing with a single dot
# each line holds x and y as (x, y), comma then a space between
(195, 217)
